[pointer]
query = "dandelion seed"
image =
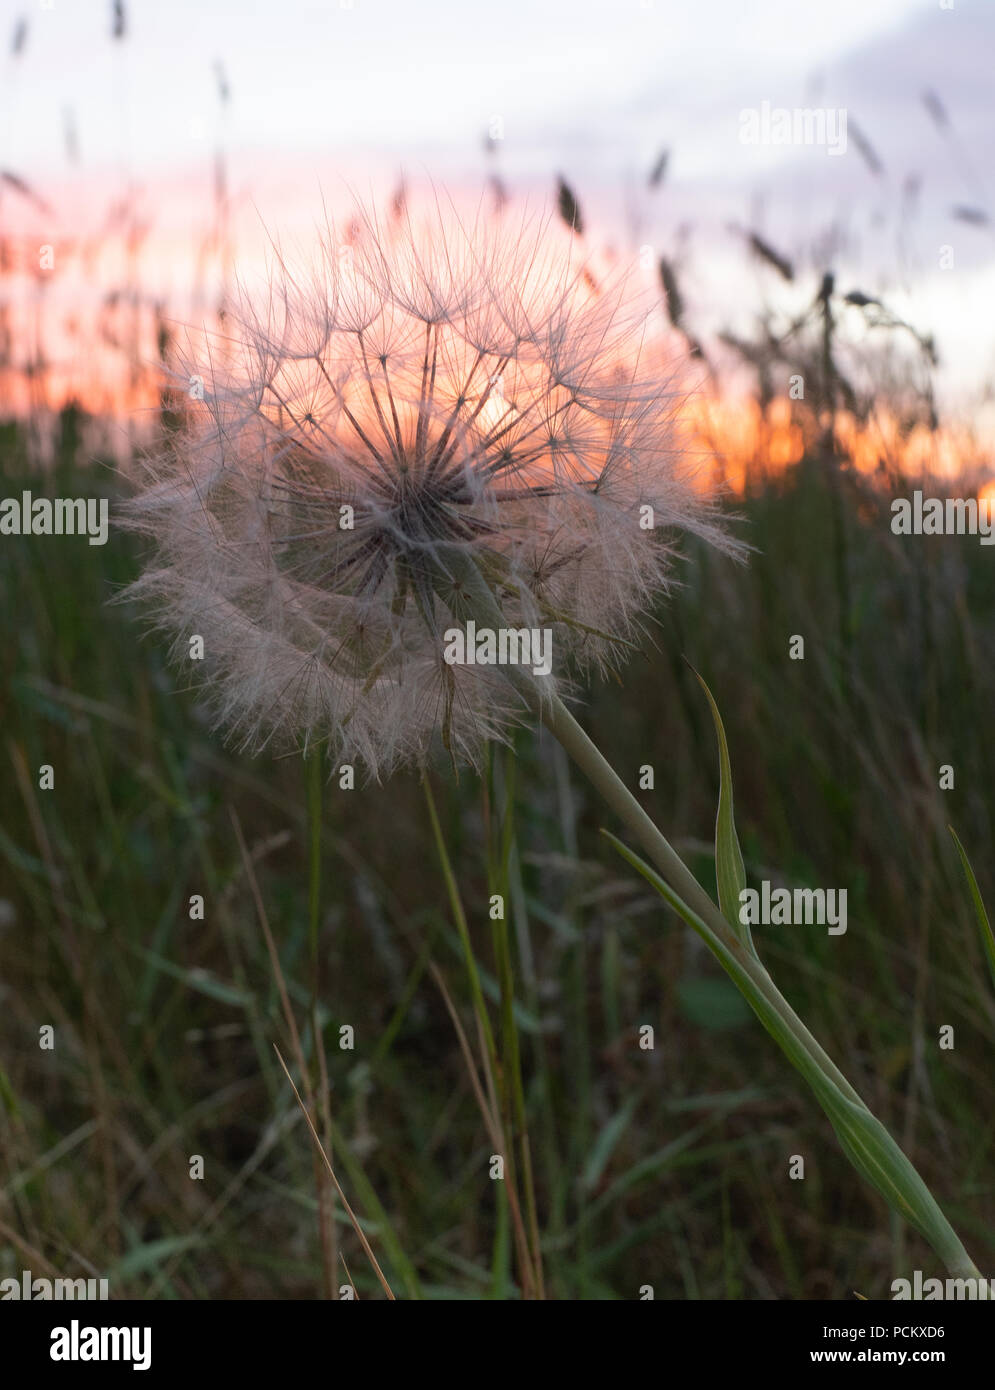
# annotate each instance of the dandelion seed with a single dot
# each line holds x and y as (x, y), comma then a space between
(430, 390)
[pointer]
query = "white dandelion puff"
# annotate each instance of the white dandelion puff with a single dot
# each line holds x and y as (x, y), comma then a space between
(427, 393)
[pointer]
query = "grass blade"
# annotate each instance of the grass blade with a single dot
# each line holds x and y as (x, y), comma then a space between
(984, 925)
(865, 1141)
(730, 872)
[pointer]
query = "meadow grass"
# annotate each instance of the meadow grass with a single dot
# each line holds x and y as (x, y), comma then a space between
(665, 1167)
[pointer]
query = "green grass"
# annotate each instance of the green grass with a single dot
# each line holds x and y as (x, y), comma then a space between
(665, 1167)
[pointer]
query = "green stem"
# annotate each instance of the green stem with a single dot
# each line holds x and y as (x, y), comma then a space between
(459, 917)
(593, 764)
(512, 1088)
(492, 1068)
(909, 1193)
(313, 764)
(313, 773)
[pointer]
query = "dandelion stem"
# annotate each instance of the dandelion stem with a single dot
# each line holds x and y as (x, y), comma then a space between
(872, 1150)
(915, 1195)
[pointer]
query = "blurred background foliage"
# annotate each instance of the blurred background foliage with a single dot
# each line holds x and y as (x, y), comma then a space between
(666, 1167)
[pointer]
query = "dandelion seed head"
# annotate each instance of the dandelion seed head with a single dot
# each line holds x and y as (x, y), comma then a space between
(428, 387)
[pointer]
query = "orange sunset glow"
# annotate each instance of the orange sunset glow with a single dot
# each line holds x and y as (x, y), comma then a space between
(93, 320)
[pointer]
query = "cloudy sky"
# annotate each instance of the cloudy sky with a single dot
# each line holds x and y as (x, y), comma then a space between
(428, 77)
(302, 93)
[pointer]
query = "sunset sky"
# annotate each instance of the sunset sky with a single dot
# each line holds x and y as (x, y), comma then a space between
(325, 94)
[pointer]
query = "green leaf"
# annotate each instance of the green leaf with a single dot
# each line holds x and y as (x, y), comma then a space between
(604, 1145)
(730, 872)
(142, 1258)
(865, 1141)
(7, 1095)
(984, 925)
(197, 978)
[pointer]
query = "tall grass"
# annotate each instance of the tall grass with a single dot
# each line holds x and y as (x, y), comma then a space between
(665, 1167)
